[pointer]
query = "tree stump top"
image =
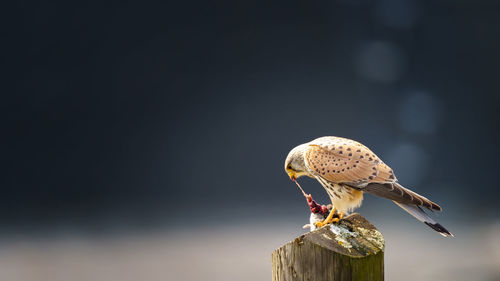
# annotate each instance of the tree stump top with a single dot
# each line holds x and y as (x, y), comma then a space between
(352, 250)
(354, 236)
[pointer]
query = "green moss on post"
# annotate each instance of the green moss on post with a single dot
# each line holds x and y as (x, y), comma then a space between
(350, 251)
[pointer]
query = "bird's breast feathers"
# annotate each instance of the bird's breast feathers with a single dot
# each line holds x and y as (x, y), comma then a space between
(344, 198)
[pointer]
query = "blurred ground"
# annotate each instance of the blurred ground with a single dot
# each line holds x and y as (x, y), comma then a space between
(241, 252)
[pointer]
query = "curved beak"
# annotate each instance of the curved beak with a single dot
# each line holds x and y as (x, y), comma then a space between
(291, 174)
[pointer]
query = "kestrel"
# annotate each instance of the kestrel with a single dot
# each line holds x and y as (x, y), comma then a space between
(347, 169)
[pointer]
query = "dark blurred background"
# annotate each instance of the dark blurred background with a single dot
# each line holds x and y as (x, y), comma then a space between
(169, 123)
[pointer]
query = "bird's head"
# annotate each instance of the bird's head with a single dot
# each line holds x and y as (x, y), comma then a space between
(294, 163)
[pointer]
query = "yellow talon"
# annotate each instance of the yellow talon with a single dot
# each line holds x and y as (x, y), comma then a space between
(330, 218)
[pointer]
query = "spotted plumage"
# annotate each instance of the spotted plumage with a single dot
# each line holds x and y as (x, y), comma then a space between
(347, 169)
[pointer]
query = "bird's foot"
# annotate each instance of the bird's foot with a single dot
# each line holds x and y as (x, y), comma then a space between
(330, 219)
(326, 221)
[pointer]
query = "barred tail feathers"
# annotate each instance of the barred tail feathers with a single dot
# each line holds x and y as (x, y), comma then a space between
(420, 215)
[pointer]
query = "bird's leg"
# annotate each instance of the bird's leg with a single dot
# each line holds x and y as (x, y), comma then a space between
(341, 215)
(330, 218)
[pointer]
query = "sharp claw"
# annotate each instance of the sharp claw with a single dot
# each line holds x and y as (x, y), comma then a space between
(325, 222)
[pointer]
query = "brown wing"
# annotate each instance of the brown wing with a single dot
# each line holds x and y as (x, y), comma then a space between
(346, 161)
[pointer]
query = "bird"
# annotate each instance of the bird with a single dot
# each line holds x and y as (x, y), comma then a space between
(347, 169)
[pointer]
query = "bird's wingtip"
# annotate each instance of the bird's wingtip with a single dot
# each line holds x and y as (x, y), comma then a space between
(439, 228)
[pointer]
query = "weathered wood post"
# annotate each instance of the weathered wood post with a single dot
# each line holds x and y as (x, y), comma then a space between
(352, 250)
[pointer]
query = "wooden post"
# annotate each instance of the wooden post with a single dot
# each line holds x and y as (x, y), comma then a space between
(352, 250)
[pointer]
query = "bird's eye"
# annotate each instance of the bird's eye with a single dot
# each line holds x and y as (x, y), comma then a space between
(289, 167)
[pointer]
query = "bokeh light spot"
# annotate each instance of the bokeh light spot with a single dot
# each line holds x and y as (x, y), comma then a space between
(380, 61)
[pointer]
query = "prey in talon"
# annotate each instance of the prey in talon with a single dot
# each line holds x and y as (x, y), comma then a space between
(347, 169)
(320, 214)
